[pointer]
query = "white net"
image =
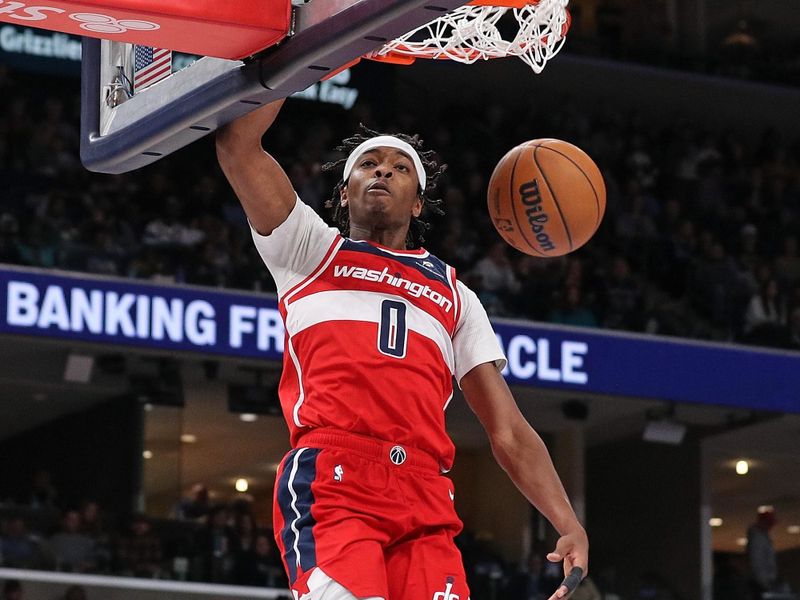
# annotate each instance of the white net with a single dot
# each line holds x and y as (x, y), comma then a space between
(472, 33)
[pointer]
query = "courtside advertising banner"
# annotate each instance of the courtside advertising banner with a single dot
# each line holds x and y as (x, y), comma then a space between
(640, 366)
(132, 313)
(178, 318)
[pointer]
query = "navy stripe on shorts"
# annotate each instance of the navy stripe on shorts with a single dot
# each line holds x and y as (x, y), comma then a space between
(295, 500)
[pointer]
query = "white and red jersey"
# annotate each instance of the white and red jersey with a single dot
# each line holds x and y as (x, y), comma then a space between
(374, 335)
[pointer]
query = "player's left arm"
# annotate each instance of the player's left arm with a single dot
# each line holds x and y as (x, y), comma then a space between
(520, 451)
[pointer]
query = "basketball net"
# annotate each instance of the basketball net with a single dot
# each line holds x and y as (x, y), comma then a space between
(473, 32)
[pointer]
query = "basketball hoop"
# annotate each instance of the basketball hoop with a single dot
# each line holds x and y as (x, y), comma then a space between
(473, 32)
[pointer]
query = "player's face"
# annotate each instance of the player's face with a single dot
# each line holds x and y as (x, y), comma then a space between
(383, 190)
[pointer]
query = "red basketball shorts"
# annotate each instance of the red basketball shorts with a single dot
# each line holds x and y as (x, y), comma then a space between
(375, 517)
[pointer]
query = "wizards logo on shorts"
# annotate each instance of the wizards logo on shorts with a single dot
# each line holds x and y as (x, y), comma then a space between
(446, 595)
(397, 455)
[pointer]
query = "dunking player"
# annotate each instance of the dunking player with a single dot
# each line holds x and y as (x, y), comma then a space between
(375, 332)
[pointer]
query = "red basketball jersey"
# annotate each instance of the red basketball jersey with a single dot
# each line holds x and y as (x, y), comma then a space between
(374, 335)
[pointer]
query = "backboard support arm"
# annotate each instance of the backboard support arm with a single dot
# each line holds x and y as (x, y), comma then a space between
(212, 92)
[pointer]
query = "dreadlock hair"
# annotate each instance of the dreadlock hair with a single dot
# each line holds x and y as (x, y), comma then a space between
(433, 170)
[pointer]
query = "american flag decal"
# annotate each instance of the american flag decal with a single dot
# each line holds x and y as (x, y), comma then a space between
(150, 65)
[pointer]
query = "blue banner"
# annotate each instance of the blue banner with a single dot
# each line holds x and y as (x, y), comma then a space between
(237, 324)
(602, 362)
(123, 312)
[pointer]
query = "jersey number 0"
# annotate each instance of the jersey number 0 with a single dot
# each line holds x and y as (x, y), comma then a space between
(392, 331)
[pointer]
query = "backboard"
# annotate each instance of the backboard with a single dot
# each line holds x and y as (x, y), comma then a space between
(121, 133)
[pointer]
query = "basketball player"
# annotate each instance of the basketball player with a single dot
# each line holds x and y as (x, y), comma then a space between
(376, 331)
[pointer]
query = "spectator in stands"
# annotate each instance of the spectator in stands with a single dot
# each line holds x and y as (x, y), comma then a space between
(19, 549)
(9, 239)
(635, 226)
(214, 547)
(571, 310)
(787, 264)
(139, 552)
(43, 494)
(168, 230)
(749, 258)
(37, 246)
(680, 251)
(195, 507)
(715, 286)
(18, 128)
(151, 264)
(622, 296)
(761, 555)
(538, 278)
(244, 526)
(495, 278)
(212, 265)
(766, 312)
(639, 162)
(73, 550)
(92, 520)
(260, 565)
(107, 255)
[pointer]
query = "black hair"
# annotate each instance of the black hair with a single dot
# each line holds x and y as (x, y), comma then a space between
(433, 170)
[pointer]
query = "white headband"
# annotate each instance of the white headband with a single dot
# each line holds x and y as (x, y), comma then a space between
(386, 141)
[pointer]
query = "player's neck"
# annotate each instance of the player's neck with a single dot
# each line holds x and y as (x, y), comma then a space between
(390, 238)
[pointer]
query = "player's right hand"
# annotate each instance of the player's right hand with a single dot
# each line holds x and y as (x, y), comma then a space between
(573, 549)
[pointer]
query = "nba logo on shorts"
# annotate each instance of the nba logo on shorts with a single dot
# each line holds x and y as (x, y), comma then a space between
(446, 595)
(397, 455)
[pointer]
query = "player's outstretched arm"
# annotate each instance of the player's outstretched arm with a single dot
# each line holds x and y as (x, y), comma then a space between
(259, 181)
(520, 451)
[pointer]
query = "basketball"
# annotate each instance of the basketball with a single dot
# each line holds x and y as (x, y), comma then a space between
(546, 197)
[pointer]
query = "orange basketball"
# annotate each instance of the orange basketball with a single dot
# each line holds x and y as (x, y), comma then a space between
(546, 197)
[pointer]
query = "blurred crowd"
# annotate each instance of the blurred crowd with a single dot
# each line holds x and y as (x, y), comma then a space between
(754, 41)
(700, 236)
(216, 542)
(205, 541)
